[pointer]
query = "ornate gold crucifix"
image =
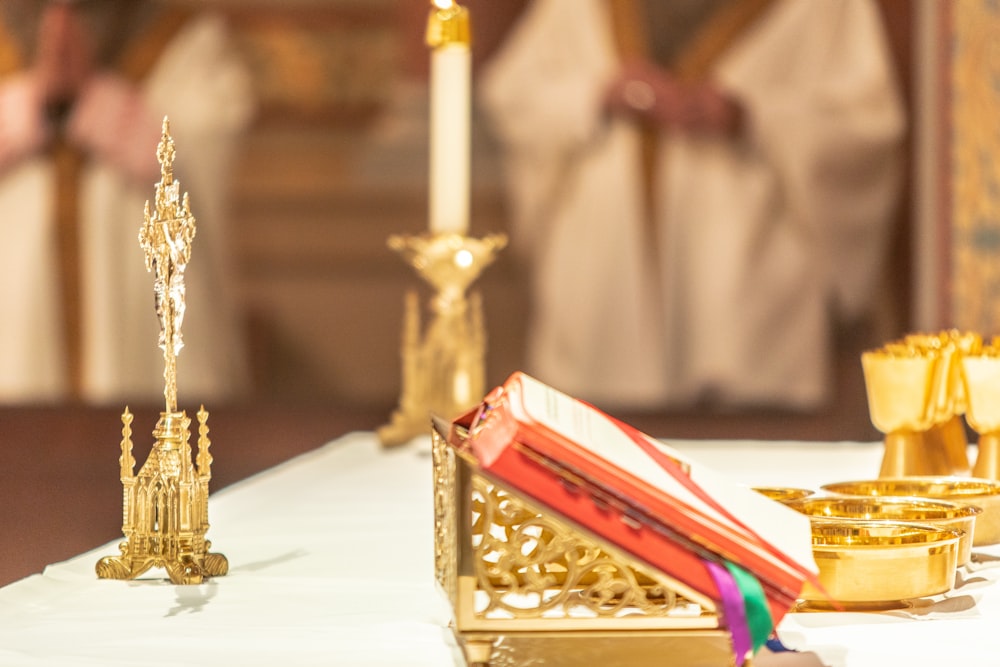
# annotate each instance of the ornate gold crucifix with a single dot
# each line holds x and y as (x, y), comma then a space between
(165, 513)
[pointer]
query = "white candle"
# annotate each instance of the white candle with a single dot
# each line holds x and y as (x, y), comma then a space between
(450, 109)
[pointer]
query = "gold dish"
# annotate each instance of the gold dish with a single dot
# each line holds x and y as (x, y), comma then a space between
(982, 493)
(783, 494)
(927, 511)
(879, 565)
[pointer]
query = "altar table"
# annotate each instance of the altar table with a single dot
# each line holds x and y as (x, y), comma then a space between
(331, 563)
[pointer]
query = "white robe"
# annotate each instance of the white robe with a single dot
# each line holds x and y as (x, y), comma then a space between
(759, 242)
(205, 90)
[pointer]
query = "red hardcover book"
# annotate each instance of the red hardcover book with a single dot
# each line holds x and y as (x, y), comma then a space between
(636, 492)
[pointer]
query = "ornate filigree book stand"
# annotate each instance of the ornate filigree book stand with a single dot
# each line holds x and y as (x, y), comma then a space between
(526, 583)
(165, 505)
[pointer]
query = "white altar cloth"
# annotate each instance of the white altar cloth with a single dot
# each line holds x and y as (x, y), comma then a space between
(331, 563)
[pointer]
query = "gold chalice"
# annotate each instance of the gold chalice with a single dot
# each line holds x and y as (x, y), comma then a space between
(948, 403)
(982, 384)
(900, 386)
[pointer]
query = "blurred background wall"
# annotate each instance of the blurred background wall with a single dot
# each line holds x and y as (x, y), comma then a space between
(336, 163)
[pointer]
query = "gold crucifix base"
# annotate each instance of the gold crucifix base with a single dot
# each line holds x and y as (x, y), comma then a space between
(165, 506)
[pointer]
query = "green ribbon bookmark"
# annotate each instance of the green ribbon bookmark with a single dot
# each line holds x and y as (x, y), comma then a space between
(759, 619)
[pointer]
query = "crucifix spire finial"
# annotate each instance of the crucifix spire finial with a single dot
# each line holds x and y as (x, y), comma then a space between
(165, 237)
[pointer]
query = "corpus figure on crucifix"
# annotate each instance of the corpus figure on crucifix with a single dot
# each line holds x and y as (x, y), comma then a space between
(165, 237)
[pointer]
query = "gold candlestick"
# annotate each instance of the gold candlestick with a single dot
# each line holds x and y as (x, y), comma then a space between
(165, 505)
(443, 367)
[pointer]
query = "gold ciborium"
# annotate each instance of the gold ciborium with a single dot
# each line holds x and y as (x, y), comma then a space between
(444, 366)
(879, 565)
(900, 386)
(943, 514)
(981, 493)
(982, 384)
(783, 494)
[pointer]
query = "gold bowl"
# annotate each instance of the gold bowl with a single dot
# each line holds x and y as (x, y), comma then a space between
(981, 493)
(927, 511)
(879, 564)
(783, 494)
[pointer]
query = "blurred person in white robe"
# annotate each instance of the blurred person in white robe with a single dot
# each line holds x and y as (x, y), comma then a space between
(700, 206)
(84, 88)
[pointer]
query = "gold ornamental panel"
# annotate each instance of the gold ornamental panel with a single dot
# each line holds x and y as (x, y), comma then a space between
(524, 581)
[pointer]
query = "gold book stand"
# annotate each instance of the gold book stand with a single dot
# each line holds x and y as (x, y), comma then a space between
(529, 587)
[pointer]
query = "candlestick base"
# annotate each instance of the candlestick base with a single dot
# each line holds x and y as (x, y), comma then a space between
(443, 366)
